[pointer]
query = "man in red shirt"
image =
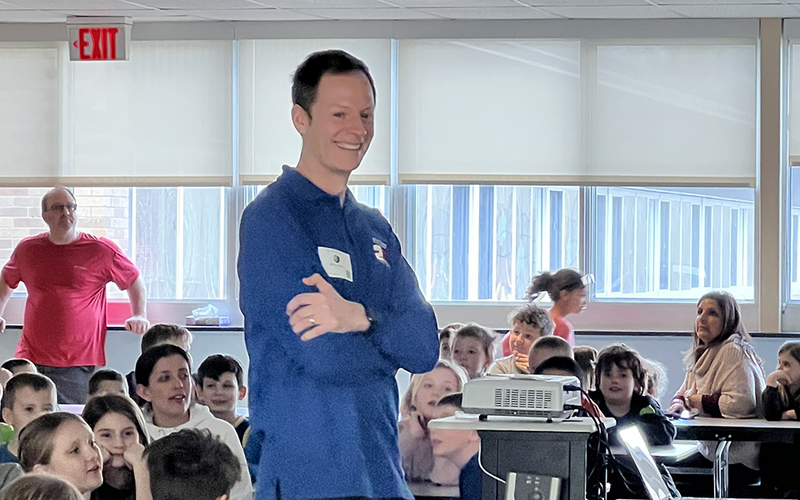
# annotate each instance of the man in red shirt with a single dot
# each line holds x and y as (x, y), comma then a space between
(66, 272)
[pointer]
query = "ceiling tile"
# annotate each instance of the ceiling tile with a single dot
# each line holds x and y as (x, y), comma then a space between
(203, 4)
(584, 3)
(431, 4)
(518, 12)
(368, 14)
(252, 15)
(613, 12)
(31, 16)
(736, 10)
(67, 5)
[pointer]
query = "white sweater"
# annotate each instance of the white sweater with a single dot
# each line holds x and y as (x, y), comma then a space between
(733, 371)
(201, 418)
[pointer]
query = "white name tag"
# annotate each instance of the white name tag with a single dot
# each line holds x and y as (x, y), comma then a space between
(336, 263)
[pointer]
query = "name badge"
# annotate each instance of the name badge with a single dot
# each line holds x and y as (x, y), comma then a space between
(336, 263)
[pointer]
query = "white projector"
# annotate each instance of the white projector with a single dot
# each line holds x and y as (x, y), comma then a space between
(539, 396)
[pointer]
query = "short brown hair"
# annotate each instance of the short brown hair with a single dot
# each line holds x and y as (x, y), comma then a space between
(35, 381)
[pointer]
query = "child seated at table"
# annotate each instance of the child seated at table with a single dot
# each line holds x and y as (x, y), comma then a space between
(781, 401)
(473, 349)
(417, 409)
(620, 394)
(547, 347)
(528, 323)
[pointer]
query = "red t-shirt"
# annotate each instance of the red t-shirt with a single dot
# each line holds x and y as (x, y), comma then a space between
(563, 328)
(65, 314)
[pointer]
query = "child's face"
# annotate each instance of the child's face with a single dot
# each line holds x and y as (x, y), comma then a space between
(522, 337)
(444, 348)
(29, 404)
(221, 395)
(617, 384)
(170, 388)
(447, 442)
(434, 386)
(791, 367)
(115, 433)
(111, 387)
(468, 353)
(75, 457)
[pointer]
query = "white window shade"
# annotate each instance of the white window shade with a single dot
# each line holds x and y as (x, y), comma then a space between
(164, 118)
(30, 107)
(794, 103)
(676, 115)
(268, 139)
(488, 111)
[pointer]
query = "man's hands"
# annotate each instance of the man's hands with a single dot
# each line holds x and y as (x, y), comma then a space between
(317, 313)
(136, 324)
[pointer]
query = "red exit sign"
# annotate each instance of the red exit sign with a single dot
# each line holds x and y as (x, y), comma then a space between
(99, 39)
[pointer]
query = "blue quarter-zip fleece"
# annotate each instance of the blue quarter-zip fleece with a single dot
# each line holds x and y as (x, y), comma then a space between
(328, 407)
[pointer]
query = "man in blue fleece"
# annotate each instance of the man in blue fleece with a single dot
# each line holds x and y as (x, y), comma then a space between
(332, 309)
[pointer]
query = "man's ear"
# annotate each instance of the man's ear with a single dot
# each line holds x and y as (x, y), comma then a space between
(143, 392)
(242, 392)
(301, 119)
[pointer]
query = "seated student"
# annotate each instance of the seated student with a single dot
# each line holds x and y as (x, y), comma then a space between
(156, 335)
(19, 365)
(547, 347)
(40, 487)
(445, 339)
(586, 357)
(620, 394)
(62, 444)
(164, 380)
(120, 432)
(724, 378)
(656, 382)
(105, 382)
(452, 449)
(27, 396)
(416, 410)
(220, 388)
(473, 349)
(192, 464)
(568, 367)
(528, 323)
(781, 401)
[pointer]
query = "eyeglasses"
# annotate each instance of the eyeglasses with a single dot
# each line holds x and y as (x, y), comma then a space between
(71, 207)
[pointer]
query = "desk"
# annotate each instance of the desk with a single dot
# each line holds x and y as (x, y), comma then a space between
(725, 430)
(514, 444)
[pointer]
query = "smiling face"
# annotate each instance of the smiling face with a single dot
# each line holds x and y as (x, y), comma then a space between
(522, 337)
(221, 395)
(708, 323)
(433, 387)
(338, 127)
(617, 385)
(169, 390)
(75, 457)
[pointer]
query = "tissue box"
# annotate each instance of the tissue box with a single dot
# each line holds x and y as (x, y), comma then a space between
(210, 321)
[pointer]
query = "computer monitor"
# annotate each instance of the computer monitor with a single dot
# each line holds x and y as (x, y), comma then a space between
(633, 441)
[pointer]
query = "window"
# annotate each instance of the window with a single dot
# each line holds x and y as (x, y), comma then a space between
(660, 243)
(486, 242)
